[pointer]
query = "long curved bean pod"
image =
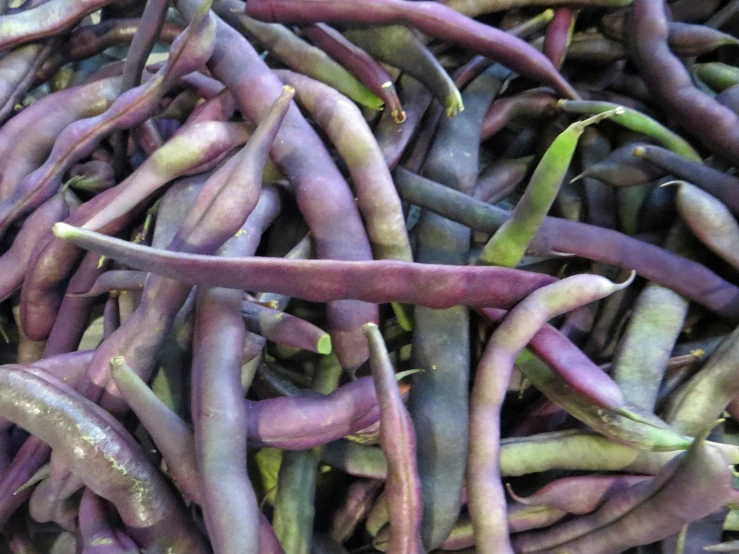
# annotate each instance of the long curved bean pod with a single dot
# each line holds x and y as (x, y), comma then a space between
(47, 19)
(87, 41)
(530, 104)
(398, 440)
(508, 245)
(401, 47)
(441, 339)
(571, 364)
(621, 168)
(716, 183)
(716, 126)
(322, 194)
(655, 324)
(430, 18)
(710, 220)
(579, 495)
(636, 121)
(378, 199)
(486, 495)
(639, 431)
(25, 143)
(65, 333)
(190, 51)
(558, 35)
(361, 64)
(17, 71)
(220, 416)
(656, 264)
(700, 484)
(15, 261)
(284, 328)
(298, 54)
(429, 285)
(213, 219)
(172, 436)
(96, 449)
(53, 260)
(152, 21)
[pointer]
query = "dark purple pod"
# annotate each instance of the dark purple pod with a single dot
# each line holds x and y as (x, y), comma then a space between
(579, 495)
(717, 183)
(189, 52)
(14, 261)
(284, 328)
(621, 168)
(25, 143)
(431, 285)
(48, 18)
(558, 35)
(360, 497)
(530, 104)
(359, 63)
(308, 420)
(501, 178)
(431, 18)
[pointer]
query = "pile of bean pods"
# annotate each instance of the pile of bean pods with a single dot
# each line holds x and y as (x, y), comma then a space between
(333, 276)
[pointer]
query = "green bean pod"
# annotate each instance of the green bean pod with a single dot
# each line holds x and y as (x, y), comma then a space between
(507, 246)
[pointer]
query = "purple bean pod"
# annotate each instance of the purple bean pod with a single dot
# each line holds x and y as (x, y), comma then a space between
(98, 535)
(361, 64)
(322, 194)
(283, 328)
(558, 35)
(699, 484)
(530, 104)
(15, 260)
(172, 436)
(487, 498)
(377, 197)
(398, 440)
(115, 280)
(668, 80)
(579, 495)
(190, 51)
(100, 451)
(431, 18)
(435, 286)
(309, 420)
(49, 18)
(25, 143)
